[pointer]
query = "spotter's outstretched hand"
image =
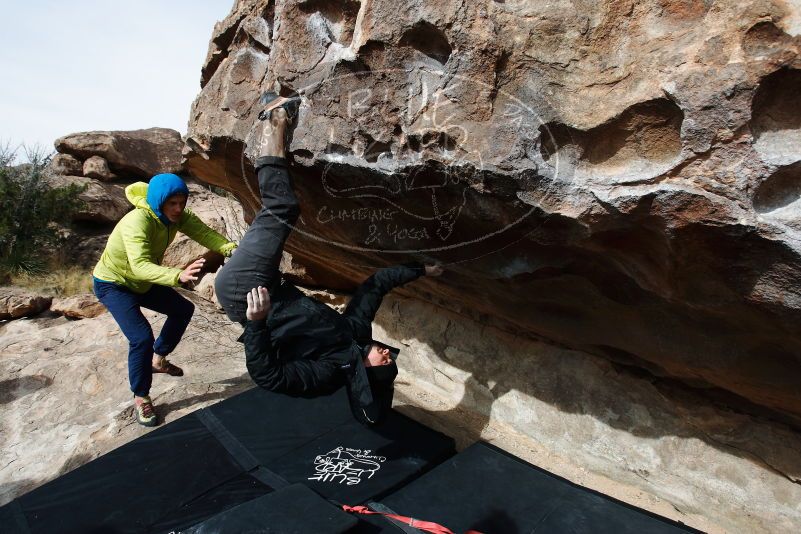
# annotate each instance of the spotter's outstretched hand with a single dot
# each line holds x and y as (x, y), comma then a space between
(190, 274)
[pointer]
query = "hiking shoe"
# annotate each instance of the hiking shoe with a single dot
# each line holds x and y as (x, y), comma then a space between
(145, 414)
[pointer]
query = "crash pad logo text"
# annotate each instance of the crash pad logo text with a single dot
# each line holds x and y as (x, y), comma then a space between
(346, 466)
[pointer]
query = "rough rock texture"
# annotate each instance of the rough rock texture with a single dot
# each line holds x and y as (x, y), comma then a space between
(66, 165)
(97, 167)
(103, 202)
(64, 390)
(83, 306)
(86, 245)
(618, 177)
(16, 303)
(651, 443)
(134, 153)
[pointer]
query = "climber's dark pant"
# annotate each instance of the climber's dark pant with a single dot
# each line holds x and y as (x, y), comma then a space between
(255, 261)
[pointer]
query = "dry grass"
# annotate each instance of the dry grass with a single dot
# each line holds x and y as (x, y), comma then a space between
(58, 280)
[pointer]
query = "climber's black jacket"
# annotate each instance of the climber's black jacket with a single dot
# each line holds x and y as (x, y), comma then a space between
(306, 348)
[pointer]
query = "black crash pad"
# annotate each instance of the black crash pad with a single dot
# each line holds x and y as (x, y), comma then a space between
(318, 442)
(235, 451)
(278, 513)
(486, 489)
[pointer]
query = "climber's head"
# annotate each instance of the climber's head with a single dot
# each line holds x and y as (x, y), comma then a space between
(370, 383)
(377, 356)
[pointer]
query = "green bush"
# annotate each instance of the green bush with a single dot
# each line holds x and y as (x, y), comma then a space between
(30, 212)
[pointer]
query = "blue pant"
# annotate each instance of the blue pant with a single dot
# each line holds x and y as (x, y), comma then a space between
(124, 305)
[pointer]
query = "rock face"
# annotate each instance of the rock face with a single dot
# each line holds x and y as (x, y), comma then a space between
(103, 202)
(97, 167)
(595, 422)
(15, 303)
(83, 306)
(618, 177)
(64, 164)
(134, 153)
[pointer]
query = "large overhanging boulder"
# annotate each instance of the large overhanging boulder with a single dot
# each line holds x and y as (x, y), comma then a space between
(619, 177)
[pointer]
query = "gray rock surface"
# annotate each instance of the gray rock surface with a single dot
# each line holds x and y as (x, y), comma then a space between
(16, 303)
(66, 165)
(97, 167)
(133, 153)
(84, 306)
(103, 202)
(649, 442)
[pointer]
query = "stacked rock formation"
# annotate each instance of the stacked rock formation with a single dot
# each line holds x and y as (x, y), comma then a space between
(104, 162)
(137, 153)
(620, 177)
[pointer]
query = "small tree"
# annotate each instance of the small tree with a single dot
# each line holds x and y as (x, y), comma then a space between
(30, 211)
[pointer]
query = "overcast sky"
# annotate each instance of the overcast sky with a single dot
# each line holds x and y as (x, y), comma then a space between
(78, 65)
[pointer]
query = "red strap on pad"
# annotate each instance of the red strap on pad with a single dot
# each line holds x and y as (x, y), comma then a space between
(425, 526)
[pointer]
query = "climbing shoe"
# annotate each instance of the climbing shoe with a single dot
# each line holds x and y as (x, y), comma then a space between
(145, 414)
(272, 101)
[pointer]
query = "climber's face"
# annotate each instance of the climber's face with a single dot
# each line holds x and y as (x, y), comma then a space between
(174, 207)
(377, 356)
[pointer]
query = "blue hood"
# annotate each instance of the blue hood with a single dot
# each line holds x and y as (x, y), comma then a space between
(160, 188)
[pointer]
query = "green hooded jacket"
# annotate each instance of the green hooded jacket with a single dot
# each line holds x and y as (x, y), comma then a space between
(135, 248)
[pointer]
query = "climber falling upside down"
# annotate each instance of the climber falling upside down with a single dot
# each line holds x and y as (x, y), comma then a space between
(295, 344)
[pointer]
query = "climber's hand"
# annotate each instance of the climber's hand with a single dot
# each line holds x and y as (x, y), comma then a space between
(434, 270)
(258, 304)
